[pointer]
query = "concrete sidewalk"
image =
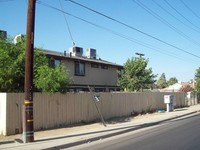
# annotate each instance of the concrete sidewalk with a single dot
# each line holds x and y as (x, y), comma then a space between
(72, 136)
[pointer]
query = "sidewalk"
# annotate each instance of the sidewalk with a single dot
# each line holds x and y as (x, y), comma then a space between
(72, 136)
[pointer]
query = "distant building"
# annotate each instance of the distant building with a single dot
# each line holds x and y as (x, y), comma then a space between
(177, 86)
(99, 74)
(3, 34)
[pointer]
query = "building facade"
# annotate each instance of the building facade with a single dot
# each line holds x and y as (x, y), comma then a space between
(87, 71)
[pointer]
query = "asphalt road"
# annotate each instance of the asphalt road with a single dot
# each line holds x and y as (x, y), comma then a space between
(182, 134)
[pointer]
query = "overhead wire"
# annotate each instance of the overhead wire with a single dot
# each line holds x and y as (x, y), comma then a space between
(73, 43)
(168, 12)
(165, 22)
(195, 14)
(180, 14)
(7, 0)
(135, 29)
(116, 33)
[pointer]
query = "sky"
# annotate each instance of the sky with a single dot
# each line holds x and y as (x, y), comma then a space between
(167, 32)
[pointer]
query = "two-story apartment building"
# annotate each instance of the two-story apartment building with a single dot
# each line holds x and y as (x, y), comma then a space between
(99, 74)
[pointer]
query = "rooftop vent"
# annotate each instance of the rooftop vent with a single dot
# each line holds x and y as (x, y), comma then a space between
(19, 38)
(3, 34)
(91, 53)
(76, 51)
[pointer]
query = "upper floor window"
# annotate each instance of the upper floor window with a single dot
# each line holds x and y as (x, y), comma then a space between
(79, 69)
(103, 66)
(53, 62)
(94, 65)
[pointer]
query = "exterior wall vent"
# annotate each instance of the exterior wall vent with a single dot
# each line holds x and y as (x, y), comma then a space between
(91, 53)
(76, 51)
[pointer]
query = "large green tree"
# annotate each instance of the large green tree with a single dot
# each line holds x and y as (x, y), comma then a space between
(197, 78)
(12, 72)
(162, 82)
(136, 75)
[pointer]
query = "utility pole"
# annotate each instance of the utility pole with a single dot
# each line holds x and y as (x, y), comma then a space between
(28, 130)
(140, 54)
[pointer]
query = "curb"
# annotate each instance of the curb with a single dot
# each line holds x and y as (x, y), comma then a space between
(116, 133)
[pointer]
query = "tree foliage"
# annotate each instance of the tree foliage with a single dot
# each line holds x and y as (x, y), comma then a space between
(172, 81)
(197, 78)
(52, 79)
(11, 64)
(197, 74)
(12, 72)
(162, 82)
(136, 75)
(186, 88)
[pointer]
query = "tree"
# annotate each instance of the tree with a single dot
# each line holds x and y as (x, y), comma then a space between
(197, 78)
(12, 62)
(186, 88)
(136, 76)
(162, 83)
(52, 79)
(172, 81)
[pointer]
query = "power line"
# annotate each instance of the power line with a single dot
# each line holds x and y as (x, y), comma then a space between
(67, 25)
(144, 33)
(7, 0)
(120, 35)
(165, 22)
(189, 9)
(168, 12)
(180, 14)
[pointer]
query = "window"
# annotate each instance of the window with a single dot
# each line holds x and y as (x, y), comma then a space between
(111, 89)
(54, 62)
(103, 66)
(57, 62)
(94, 65)
(100, 89)
(79, 69)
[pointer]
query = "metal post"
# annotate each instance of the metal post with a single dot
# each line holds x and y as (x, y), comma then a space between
(93, 98)
(28, 130)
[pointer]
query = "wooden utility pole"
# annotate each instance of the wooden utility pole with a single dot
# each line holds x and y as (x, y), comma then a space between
(28, 130)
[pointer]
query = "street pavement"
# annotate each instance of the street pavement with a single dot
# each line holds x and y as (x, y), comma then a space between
(179, 134)
(72, 136)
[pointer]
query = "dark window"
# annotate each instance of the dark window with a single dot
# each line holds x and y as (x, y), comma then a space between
(94, 65)
(57, 62)
(78, 49)
(79, 69)
(103, 66)
(100, 89)
(111, 89)
(54, 62)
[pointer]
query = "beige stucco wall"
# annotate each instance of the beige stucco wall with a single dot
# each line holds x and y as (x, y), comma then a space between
(93, 76)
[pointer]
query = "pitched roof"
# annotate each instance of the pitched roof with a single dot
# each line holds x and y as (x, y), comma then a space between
(82, 58)
(176, 87)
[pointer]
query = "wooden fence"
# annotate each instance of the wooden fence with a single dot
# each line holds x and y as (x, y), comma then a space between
(57, 110)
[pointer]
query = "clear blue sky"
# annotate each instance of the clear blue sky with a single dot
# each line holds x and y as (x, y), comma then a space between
(176, 22)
